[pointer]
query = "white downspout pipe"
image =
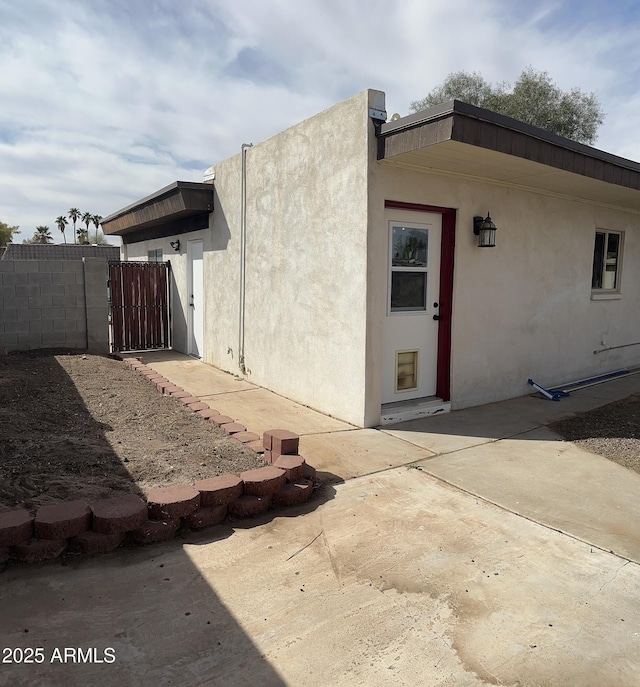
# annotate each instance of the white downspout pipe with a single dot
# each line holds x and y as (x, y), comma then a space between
(243, 255)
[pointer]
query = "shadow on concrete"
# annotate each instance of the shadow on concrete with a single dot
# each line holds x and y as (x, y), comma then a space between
(514, 418)
(323, 494)
(160, 618)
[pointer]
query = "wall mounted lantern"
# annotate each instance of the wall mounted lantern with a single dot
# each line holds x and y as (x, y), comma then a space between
(175, 245)
(485, 230)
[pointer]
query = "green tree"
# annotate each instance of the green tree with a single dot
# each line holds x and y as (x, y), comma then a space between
(534, 99)
(42, 235)
(62, 223)
(74, 215)
(100, 239)
(6, 233)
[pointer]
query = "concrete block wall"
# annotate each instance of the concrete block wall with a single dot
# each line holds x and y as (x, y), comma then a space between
(54, 303)
(96, 304)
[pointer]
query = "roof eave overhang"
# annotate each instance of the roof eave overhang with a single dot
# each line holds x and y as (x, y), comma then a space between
(404, 140)
(179, 200)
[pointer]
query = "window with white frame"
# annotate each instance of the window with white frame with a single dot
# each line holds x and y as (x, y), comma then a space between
(409, 252)
(154, 255)
(607, 254)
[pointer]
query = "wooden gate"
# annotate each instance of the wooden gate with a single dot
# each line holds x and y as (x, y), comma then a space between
(139, 305)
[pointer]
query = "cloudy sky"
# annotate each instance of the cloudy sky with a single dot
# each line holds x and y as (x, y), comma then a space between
(105, 101)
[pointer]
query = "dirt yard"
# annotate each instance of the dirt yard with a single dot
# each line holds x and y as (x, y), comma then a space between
(75, 425)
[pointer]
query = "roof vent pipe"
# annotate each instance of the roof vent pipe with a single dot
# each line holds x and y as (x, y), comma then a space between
(243, 255)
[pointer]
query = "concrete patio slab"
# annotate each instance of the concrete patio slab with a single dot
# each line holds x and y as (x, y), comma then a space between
(403, 574)
(399, 580)
(193, 375)
(260, 410)
(485, 424)
(357, 452)
(500, 452)
(553, 482)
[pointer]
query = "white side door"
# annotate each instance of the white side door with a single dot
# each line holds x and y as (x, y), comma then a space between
(195, 277)
(410, 328)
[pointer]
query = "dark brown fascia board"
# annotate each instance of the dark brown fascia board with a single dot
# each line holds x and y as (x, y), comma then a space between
(457, 107)
(427, 116)
(153, 197)
(182, 188)
(177, 227)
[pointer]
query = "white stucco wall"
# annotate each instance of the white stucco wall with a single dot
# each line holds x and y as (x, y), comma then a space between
(524, 308)
(306, 261)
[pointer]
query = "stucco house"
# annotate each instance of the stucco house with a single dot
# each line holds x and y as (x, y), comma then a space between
(338, 263)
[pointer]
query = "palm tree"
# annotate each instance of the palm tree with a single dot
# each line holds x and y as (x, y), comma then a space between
(42, 235)
(74, 214)
(96, 219)
(62, 223)
(87, 218)
(83, 236)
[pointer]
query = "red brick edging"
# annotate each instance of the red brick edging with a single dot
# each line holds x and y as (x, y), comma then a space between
(103, 525)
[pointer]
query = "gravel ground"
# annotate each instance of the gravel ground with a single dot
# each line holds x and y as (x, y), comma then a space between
(75, 425)
(612, 431)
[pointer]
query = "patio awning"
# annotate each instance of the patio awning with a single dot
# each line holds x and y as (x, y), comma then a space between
(182, 200)
(461, 139)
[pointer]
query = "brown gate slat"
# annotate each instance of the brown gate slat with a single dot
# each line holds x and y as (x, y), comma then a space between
(139, 305)
(134, 310)
(153, 313)
(148, 312)
(129, 298)
(130, 281)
